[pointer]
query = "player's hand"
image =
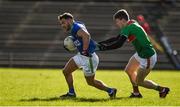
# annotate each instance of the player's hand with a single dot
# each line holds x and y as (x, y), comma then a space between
(86, 53)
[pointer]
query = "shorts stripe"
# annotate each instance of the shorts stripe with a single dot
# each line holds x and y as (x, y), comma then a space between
(91, 64)
(148, 63)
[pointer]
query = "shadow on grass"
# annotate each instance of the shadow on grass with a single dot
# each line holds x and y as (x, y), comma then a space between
(96, 99)
(41, 99)
(78, 99)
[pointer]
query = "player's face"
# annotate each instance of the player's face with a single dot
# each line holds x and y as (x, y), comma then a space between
(119, 23)
(65, 25)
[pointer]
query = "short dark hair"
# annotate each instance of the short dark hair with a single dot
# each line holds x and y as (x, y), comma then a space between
(121, 14)
(65, 16)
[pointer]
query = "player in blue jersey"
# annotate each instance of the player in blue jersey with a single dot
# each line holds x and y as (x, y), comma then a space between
(85, 59)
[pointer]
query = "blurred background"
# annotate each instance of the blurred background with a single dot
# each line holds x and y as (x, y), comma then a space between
(31, 37)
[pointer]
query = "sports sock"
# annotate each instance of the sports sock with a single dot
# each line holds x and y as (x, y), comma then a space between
(159, 88)
(135, 89)
(109, 90)
(71, 90)
(135, 93)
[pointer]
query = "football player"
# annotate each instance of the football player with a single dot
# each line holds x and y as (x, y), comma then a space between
(144, 59)
(85, 59)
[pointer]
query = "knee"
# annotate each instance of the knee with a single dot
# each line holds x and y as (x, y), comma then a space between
(130, 73)
(132, 77)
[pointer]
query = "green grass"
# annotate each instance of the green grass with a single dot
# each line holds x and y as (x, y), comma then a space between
(43, 86)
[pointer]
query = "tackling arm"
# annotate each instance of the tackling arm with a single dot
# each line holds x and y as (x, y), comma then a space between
(112, 43)
(110, 40)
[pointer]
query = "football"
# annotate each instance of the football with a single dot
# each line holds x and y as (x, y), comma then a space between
(69, 44)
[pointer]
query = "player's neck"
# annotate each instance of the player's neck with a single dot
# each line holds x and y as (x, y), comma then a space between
(126, 23)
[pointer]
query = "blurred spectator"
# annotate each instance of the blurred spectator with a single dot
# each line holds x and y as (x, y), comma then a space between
(145, 25)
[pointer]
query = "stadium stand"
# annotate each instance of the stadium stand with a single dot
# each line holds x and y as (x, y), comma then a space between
(30, 35)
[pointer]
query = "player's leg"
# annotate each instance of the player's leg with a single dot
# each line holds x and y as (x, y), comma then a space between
(144, 70)
(141, 75)
(100, 85)
(96, 83)
(131, 70)
(69, 68)
(89, 69)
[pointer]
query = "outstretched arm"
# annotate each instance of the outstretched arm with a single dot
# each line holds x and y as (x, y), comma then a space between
(108, 41)
(112, 43)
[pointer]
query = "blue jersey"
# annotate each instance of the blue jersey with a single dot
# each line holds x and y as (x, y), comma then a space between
(78, 40)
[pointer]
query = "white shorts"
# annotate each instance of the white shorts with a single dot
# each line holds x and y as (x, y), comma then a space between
(88, 64)
(146, 63)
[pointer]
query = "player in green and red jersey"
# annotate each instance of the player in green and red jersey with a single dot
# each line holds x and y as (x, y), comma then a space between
(141, 63)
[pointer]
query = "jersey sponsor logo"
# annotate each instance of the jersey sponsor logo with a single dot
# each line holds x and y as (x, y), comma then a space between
(77, 43)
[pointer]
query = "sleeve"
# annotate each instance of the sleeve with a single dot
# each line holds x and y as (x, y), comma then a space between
(108, 41)
(124, 33)
(117, 43)
(75, 29)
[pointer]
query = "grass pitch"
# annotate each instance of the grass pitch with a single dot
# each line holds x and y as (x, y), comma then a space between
(42, 87)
